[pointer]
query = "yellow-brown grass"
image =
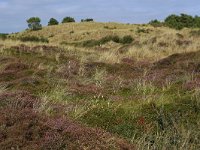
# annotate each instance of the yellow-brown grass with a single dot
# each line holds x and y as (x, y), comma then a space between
(155, 44)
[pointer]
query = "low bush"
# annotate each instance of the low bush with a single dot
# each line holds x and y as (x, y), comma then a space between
(110, 28)
(68, 19)
(3, 36)
(156, 23)
(182, 21)
(127, 39)
(124, 40)
(52, 22)
(87, 20)
(71, 32)
(33, 39)
(178, 22)
(90, 43)
(142, 30)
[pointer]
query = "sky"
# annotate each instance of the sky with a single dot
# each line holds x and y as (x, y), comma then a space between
(14, 13)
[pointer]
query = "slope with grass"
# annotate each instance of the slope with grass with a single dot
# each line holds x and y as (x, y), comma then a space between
(64, 94)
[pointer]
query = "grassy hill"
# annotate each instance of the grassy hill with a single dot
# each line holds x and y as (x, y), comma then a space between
(80, 88)
(149, 42)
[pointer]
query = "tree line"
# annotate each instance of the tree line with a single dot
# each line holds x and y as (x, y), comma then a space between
(173, 21)
(34, 23)
(178, 21)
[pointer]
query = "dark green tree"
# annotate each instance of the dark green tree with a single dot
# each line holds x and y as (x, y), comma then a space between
(52, 22)
(68, 19)
(34, 23)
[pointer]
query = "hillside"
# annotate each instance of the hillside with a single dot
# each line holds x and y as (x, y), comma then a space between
(89, 86)
(149, 42)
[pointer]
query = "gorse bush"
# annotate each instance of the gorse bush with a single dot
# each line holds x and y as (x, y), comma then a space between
(33, 39)
(68, 19)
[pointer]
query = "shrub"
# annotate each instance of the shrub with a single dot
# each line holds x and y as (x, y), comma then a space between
(68, 19)
(87, 20)
(155, 23)
(34, 23)
(127, 39)
(71, 32)
(3, 36)
(179, 22)
(105, 39)
(174, 21)
(197, 21)
(90, 43)
(33, 39)
(142, 30)
(53, 21)
(116, 39)
(110, 28)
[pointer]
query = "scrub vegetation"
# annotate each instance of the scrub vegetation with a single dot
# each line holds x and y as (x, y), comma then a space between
(122, 87)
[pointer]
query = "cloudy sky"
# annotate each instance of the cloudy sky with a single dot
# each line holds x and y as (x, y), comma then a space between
(13, 13)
